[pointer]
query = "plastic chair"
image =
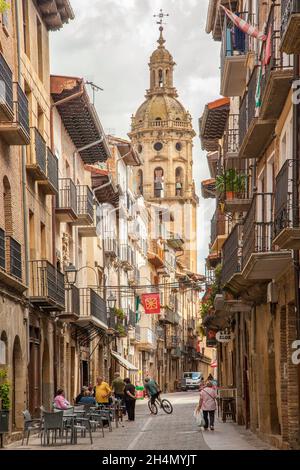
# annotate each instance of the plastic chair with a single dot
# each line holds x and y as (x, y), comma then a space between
(30, 425)
(52, 422)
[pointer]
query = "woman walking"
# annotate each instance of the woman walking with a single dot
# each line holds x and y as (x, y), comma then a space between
(208, 405)
(130, 399)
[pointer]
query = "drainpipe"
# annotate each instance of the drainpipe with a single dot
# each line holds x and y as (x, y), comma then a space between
(295, 202)
(24, 194)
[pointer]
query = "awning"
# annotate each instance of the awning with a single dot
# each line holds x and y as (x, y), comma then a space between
(123, 362)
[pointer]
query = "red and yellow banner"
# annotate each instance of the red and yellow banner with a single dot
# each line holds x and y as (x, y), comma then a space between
(151, 303)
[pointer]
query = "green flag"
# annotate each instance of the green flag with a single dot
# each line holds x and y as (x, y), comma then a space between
(258, 89)
(137, 307)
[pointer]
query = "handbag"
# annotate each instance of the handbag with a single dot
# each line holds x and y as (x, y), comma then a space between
(198, 415)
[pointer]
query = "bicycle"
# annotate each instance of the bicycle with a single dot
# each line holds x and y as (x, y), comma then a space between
(164, 404)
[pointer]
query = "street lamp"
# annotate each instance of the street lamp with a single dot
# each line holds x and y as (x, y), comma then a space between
(111, 301)
(71, 274)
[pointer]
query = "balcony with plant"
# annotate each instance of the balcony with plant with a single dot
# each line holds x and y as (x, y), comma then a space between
(234, 189)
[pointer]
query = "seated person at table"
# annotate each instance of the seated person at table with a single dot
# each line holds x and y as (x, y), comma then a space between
(81, 394)
(60, 401)
(87, 399)
(102, 392)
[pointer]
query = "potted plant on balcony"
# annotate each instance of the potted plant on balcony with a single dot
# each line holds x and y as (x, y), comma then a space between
(231, 184)
(4, 402)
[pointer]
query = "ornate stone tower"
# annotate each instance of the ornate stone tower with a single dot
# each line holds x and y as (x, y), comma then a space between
(162, 133)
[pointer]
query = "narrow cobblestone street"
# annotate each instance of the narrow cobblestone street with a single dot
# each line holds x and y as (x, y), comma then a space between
(163, 432)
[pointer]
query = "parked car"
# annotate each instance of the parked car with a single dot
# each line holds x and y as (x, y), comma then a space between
(191, 380)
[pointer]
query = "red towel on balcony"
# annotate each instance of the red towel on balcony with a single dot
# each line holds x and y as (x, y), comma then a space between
(247, 28)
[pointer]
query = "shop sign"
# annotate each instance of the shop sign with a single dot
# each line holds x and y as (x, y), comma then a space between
(224, 337)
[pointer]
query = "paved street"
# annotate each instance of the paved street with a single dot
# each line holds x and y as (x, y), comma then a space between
(163, 432)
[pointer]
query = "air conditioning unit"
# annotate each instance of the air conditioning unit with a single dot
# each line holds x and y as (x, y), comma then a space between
(272, 293)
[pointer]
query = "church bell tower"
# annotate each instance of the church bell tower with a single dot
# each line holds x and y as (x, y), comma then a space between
(162, 133)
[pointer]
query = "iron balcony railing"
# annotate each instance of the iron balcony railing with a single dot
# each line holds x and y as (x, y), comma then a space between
(278, 60)
(6, 88)
(127, 255)
(40, 150)
(67, 195)
(93, 305)
(73, 301)
(232, 254)
(138, 332)
(236, 184)
(110, 244)
(288, 8)
(2, 250)
(14, 253)
(52, 169)
(22, 111)
(248, 107)
(172, 341)
(132, 318)
(258, 226)
(284, 214)
(232, 137)
(47, 285)
(218, 225)
(85, 201)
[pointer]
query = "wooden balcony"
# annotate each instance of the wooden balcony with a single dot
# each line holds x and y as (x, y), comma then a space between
(261, 261)
(72, 310)
(286, 233)
(15, 130)
(290, 26)
(11, 273)
(92, 308)
(66, 208)
(47, 286)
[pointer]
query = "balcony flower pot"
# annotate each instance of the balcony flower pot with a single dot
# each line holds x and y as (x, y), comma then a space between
(230, 195)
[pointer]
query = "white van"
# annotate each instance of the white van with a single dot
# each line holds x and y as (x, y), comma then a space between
(191, 381)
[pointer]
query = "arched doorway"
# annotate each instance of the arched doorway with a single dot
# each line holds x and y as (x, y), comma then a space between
(46, 387)
(18, 386)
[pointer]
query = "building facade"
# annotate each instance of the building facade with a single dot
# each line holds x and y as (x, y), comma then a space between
(252, 140)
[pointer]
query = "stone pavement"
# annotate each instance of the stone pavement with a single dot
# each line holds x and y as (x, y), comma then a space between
(162, 432)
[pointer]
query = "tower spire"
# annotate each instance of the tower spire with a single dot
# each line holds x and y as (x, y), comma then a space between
(161, 15)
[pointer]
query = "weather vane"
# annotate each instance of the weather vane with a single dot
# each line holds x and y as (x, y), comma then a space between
(161, 17)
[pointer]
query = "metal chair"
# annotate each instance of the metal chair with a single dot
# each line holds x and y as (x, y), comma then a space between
(30, 425)
(52, 422)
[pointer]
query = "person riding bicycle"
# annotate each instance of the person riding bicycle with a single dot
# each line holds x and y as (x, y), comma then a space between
(153, 390)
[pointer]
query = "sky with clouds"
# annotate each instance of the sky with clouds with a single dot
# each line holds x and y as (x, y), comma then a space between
(110, 42)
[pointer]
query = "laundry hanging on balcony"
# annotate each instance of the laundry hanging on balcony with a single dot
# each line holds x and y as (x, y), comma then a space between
(247, 28)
